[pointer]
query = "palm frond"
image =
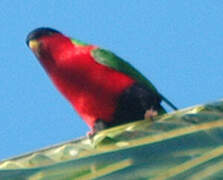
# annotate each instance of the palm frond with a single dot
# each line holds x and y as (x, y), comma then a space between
(183, 144)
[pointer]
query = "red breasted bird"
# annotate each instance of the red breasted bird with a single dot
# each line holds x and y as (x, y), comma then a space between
(104, 89)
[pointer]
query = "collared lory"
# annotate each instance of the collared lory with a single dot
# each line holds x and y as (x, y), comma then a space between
(104, 89)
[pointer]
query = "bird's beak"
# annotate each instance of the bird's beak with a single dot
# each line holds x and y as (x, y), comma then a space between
(33, 44)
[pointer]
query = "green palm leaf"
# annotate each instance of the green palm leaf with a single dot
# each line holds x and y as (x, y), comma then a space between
(184, 144)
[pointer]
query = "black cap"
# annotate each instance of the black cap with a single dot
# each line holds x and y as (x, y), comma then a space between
(39, 32)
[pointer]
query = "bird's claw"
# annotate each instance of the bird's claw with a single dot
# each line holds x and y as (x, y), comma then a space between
(150, 113)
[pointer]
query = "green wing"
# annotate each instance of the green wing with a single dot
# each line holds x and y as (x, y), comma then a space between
(109, 59)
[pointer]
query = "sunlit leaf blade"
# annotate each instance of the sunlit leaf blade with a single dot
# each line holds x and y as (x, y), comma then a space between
(185, 144)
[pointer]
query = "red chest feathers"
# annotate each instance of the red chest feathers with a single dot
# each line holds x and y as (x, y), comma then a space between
(92, 89)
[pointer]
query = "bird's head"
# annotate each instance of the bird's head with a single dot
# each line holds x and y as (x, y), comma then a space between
(52, 48)
(55, 50)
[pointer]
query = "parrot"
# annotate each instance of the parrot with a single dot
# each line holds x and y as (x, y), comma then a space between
(104, 89)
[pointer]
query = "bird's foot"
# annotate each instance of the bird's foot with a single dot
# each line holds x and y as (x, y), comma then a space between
(91, 134)
(150, 113)
(98, 126)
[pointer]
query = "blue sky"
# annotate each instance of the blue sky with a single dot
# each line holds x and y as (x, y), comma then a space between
(178, 45)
